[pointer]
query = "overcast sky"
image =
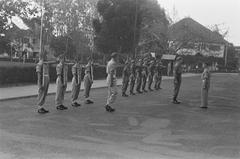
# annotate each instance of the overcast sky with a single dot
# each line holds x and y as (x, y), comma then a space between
(209, 12)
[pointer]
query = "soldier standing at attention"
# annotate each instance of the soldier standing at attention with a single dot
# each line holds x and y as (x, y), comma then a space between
(139, 77)
(42, 70)
(144, 76)
(150, 75)
(205, 85)
(88, 81)
(132, 77)
(111, 71)
(155, 76)
(160, 75)
(177, 72)
(76, 82)
(62, 71)
(125, 78)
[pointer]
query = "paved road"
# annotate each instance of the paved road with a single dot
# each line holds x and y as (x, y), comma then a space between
(144, 126)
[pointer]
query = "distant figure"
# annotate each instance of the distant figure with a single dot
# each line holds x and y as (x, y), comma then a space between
(177, 72)
(42, 70)
(62, 71)
(150, 75)
(205, 85)
(125, 78)
(132, 77)
(144, 76)
(139, 76)
(169, 69)
(155, 76)
(160, 68)
(111, 71)
(76, 82)
(88, 81)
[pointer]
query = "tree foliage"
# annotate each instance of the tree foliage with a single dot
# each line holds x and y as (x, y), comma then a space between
(72, 19)
(114, 29)
(126, 24)
(154, 28)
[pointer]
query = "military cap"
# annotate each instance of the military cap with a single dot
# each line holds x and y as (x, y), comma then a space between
(114, 55)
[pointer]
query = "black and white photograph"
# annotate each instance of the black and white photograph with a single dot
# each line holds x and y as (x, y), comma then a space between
(119, 79)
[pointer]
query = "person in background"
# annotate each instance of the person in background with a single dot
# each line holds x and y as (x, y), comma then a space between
(88, 81)
(144, 76)
(169, 69)
(62, 78)
(159, 69)
(150, 75)
(76, 82)
(155, 76)
(139, 76)
(177, 72)
(125, 78)
(205, 85)
(111, 71)
(42, 70)
(132, 77)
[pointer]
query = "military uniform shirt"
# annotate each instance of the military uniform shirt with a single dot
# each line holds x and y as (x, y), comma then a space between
(62, 70)
(111, 68)
(77, 70)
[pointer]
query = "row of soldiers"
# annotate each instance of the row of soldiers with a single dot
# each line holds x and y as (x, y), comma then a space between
(141, 75)
(134, 73)
(42, 70)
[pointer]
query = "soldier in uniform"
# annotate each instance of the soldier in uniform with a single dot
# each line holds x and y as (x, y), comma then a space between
(111, 71)
(88, 81)
(160, 68)
(76, 82)
(132, 77)
(150, 75)
(155, 76)
(62, 71)
(42, 70)
(144, 76)
(177, 72)
(205, 85)
(139, 76)
(125, 78)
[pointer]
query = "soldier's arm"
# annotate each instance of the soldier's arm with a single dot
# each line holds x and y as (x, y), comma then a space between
(39, 80)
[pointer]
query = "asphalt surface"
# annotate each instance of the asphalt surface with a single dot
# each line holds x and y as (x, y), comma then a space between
(144, 126)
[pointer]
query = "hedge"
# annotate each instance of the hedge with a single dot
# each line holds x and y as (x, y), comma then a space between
(15, 75)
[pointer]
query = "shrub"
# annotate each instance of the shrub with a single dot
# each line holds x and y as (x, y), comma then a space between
(18, 73)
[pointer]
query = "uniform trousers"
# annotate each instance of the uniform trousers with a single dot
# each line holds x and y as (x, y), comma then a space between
(125, 84)
(132, 83)
(42, 92)
(75, 89)
(61, 89)
(144, 81)
(112, 90)
(177, 84)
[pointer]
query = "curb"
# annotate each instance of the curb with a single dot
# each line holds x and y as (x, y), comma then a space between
(52, 93)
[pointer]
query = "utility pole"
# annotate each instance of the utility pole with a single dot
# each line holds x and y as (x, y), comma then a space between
(41, 31)
(135, 27)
